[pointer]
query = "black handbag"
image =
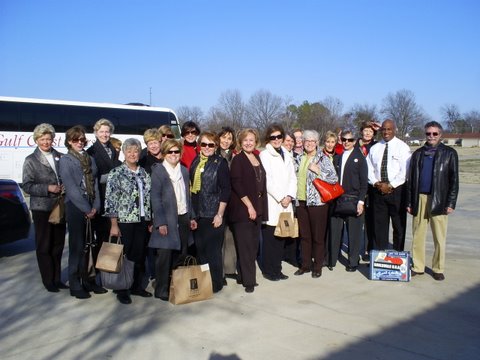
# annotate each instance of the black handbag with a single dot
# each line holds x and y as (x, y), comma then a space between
(346, 205)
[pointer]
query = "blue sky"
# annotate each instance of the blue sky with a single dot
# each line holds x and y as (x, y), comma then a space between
(189, 52)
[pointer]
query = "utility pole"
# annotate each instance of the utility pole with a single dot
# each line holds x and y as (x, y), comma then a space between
(150, 96)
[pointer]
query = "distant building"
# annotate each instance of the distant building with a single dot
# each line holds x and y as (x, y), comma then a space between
(463, 140)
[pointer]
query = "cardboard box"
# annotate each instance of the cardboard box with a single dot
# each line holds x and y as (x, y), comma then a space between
(390, 265)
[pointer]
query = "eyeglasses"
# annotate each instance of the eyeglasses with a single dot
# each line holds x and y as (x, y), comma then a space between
(173, 152)
(190, 132)
(83, 140)
(210, 145)
(275, 137)
(431, 133)
(348, 140)
(169, 136)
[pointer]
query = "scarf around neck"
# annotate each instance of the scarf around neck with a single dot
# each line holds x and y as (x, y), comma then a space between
(86, 164)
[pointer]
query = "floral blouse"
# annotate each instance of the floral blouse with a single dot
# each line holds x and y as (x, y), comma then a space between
(122, 196)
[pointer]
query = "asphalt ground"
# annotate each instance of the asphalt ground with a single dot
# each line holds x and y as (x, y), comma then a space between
(338, 316)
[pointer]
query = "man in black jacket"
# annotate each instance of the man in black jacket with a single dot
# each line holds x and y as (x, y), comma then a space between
(431, 196)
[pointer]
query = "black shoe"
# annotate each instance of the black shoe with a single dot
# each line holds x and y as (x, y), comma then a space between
(249, 289)
(231, 276)
(124, 298)
(282, 276)
(438, 276)
(270, 277)
(142, 293)
(330, 267)
(51, 288)
(80, 294)
(351, 268)
(301, 272)
(61, 285)
(316, 274)
(224, 282)
(415, 273)
(163, 297)
(96, 289)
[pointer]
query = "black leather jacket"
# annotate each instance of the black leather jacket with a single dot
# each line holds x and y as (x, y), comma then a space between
(444, 183)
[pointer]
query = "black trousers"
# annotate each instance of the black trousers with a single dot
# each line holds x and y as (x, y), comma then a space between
(209, 244)
(247, 240)
(49, 243)
(135, 240)
(273, 249)
(386, 207)
(369, 220)
(101, 230)
(167, 258)
(354, 229)
(76, 244)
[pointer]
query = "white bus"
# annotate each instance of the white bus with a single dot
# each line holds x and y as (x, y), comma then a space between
(19, 116)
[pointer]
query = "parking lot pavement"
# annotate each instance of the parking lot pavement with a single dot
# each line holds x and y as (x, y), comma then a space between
(338, 316)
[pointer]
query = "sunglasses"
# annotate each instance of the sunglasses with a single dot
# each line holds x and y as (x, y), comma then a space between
(275, 137)
(190, 132)
(83, 140)
(173, 152)
(169, 136)
(348, 140)
(210, 145)
(431, 133)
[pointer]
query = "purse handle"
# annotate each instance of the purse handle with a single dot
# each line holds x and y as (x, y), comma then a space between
(189, 260)
(119, 239)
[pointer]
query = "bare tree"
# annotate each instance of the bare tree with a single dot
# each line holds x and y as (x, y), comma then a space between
(402, 108)
(229, 111)
(190, 113)
(452, 117)
(362, 113)
(473, 119)
(264, 108)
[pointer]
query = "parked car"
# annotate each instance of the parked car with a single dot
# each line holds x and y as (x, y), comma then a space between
(15, 218)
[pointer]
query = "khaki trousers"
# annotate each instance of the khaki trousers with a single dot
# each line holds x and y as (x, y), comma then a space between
(420, 223)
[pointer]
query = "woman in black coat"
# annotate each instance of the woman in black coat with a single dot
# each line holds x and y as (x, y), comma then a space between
(42, 182)
(352, 171)
(210, 186)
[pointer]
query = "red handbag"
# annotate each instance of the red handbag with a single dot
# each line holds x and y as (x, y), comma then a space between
(327, 191)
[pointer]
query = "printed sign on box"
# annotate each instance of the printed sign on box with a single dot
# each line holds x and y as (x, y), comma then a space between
(390, 265)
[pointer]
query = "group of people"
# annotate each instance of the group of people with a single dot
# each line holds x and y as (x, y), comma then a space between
(219, 198)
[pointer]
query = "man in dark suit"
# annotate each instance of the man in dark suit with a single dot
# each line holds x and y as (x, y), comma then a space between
(352, 171)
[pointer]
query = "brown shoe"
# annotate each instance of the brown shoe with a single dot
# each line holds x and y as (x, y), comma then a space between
(300, 272)
(438, 276)
(415, 273)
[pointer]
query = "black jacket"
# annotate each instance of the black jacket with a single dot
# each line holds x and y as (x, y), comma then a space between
(215, 186)
(355, 179)
(444, 183)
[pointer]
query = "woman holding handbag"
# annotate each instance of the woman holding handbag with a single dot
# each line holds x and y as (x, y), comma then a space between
(210, 188)
(173, 217)
(42, 182)
(78, 172)
(312, 213)
(127, 204)
(348, 209)
(281, 189)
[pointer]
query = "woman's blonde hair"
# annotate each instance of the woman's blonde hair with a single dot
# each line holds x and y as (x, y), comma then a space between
(43, 129)
(242, 134)
(105, 122)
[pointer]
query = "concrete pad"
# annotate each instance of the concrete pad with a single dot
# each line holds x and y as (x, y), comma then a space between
(338, 316)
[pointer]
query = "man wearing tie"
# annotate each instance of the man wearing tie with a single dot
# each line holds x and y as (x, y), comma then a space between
(388, 161)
